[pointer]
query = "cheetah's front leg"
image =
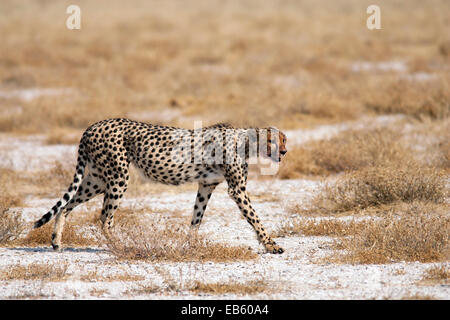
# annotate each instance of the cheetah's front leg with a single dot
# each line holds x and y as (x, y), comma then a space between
(236, 177)
(243, 202)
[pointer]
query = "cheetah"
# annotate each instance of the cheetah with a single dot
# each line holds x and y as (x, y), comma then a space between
(167, 155)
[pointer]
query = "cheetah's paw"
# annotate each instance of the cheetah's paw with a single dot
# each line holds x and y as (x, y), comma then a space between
(275, 249)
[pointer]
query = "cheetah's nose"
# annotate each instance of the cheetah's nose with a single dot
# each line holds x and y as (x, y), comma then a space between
(283, 152)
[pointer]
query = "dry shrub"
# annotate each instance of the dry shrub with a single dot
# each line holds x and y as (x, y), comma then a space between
(11, 225)
(375, 186)
(417, 234)
(250, 287)
(35, 271)
(349, 150)
(131, 239)
(324, 227)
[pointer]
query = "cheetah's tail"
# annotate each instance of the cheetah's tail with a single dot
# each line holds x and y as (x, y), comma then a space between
(77, 179)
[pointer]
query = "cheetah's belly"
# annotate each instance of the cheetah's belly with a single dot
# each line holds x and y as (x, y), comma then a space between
(181, 174)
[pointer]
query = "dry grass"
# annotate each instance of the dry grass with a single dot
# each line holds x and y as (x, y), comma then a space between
(73, 235)
(417, 99)
(53, 181)
(417, 234)
(376, 186)
(35, 271)
(173, 284)
(250, 62)
(198, 287)
(418, 296)
(98, 292)
(439, 274)
(349, 150)
(144, 290)
(430, 141)
(49, 272)
(324, 227)
(8, 195)
(245, 288)
(16, 185)
(94, 276)
(63, 136)
(132, 239)
(11, 225)
(403, 143)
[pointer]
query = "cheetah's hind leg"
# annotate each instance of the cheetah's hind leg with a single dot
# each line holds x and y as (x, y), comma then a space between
(89, 188)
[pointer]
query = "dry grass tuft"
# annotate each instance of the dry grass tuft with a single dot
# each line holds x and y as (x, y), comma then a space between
(418, 296)
(72, 235)
(35, 271)
(418, 234)
(437, 275)
(94, 276)
(375, 186)
(324, 227)
(96, 292)
(349, 150)
(11, 225)
(133, 240)
(197, 287)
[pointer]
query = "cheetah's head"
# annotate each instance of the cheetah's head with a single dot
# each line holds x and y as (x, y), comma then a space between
(276, 144)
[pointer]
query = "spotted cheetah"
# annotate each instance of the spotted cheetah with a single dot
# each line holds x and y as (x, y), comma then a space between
(167, 155)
